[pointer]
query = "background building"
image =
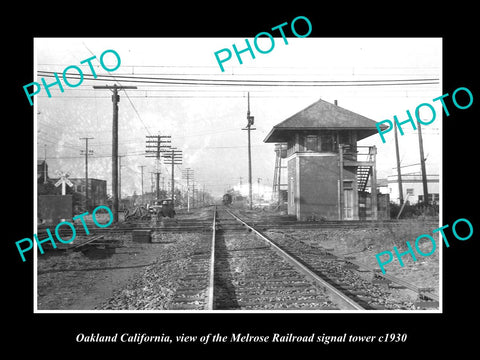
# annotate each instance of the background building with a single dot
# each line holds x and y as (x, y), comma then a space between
(413, 187)
(97, 191)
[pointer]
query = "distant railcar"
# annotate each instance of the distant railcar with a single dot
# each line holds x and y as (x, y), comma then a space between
(227, 199)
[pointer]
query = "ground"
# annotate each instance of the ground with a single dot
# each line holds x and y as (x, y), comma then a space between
(134, 276)
(145, 276)
(364, 244)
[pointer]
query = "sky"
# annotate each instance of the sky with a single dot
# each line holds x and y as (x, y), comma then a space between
(206, 121)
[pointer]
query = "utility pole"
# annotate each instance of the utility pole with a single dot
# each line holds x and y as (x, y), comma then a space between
(174, 157)
(258, 187)
(141, 169)
(399, 170)
(155, 149)
(188, 174)
(193, 194)
(250, 120)
(120, 178)
(422, 164)
(115, 101)
(45, 165)
(87, 153)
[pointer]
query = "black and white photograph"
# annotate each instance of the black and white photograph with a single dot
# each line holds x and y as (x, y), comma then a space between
(269, 187)
(253, 186)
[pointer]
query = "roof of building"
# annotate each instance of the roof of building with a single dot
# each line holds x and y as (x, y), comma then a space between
(413, 178)
(323, 115)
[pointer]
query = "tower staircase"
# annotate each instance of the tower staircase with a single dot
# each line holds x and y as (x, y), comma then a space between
(363, 173)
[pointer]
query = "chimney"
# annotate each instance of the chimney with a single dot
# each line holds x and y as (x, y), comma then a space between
(335, 102)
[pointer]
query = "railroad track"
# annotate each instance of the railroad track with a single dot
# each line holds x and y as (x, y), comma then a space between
(312, 254)
(265, 277)
(237, 267)
(263, 223)
(241, 270)
(368, 286)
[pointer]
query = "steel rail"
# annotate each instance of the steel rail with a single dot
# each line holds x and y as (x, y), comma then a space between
(419, 290)
(341, 299)
(211, 280)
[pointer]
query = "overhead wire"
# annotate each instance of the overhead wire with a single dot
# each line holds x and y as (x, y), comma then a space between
(188, 87)
(188, 81)
(249, 82)
(131, 103)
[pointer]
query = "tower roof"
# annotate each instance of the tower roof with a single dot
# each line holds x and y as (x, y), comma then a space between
(323, 115)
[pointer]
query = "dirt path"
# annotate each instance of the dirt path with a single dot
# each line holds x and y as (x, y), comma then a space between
(81, 281)
(87, 280)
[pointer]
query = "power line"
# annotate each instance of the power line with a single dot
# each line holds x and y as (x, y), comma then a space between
(196, 97)
(263, 73)
(180, 88)
(95, 156)
(124, 90)
(65, 145)
(243, 67)
(136, 112)
(250, 82)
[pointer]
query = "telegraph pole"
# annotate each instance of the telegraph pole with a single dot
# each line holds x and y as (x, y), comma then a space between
(87, 153)
(188, 174)
(45, 165)
(399, 170)
(422, 164)
(174, 157)
(250, 120)
(141, 167)
(155, 149)
(258, 186)
(115, 101)
(120, 177)
(193, 194)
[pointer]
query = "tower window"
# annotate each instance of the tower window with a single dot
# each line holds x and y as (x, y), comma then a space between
(311, 143)
(326, 142)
